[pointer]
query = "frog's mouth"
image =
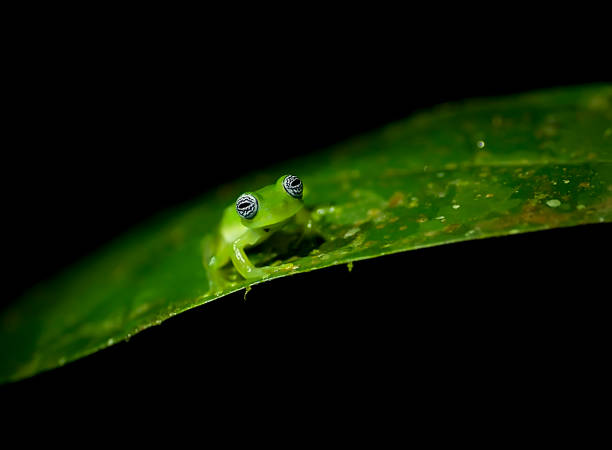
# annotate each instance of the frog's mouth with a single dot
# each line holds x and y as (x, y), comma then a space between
(274, 226)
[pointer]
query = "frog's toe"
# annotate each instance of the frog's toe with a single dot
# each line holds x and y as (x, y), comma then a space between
(216, 285)
(287, 267)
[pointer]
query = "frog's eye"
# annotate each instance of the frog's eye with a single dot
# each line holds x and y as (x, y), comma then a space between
(293, 185)
(247, 206)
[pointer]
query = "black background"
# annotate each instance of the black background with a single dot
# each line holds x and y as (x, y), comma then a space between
(106, 133)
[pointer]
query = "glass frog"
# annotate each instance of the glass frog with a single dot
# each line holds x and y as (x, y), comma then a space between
(253, 219)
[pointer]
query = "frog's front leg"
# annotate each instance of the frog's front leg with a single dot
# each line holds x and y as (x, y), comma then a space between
(242, 263)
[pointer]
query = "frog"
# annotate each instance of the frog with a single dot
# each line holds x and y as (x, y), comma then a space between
(250, 221)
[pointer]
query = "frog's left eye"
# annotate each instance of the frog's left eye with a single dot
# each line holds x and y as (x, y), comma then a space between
(247, 206)
(293, 185)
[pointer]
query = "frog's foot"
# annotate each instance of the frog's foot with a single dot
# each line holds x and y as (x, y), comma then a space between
(268, 271)
(214, 288)
(216, 283)
(261, 273)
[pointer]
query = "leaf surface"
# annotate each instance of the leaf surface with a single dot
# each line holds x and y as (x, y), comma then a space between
(462, 171)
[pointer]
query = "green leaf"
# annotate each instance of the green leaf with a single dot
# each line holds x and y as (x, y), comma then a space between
(462, 171)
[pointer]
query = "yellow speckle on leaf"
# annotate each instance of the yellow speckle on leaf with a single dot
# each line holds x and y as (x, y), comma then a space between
(373, 212)
(351, 232)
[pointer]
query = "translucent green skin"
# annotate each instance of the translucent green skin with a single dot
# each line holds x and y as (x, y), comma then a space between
(235, 234)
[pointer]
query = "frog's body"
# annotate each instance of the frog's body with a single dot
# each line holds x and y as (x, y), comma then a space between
(252, 220)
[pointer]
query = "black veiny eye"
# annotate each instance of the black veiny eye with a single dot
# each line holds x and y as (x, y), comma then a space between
(293, 185)
(247, 206)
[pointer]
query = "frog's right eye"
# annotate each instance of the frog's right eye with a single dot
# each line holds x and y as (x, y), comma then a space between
(247, 206)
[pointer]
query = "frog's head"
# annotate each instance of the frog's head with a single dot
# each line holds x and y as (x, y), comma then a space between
(272, 204)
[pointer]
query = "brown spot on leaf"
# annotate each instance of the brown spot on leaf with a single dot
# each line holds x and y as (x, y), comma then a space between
(531, 214)
(396, 199)
(452, 227)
